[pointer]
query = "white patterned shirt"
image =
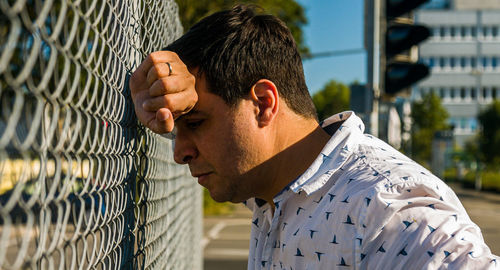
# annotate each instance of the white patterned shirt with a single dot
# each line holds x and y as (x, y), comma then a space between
(364, 205)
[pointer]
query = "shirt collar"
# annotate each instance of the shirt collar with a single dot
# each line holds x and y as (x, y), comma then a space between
(334, 153)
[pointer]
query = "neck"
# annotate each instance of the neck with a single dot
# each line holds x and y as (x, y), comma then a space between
(298, 145)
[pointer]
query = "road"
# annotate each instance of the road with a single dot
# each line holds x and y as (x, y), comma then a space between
(226, 238)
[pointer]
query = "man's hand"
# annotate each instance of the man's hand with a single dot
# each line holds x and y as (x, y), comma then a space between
(160, 96)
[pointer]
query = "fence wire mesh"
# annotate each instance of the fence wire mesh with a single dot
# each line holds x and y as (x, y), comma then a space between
(82, 184)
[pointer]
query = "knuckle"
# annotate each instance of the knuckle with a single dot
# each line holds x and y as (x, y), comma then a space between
(194, 98)
(152, 56)
(166, 84)
(168, 102)
(161, 70)
(174, 55)
(156, 56)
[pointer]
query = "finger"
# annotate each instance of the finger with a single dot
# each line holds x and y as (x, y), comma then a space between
(163, 122)
(178, 103)
(155, 58)
(152, 76)
(159, 70)
(164, 86)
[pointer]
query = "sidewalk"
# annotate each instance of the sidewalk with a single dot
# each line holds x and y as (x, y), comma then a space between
(484, 210)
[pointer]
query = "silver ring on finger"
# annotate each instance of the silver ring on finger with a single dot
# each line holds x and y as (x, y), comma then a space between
(169, 68)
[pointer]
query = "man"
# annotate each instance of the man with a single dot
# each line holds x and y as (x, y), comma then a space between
(323, 195)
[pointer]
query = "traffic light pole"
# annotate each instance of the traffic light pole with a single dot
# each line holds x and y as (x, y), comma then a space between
(372, 44)
(390, 35)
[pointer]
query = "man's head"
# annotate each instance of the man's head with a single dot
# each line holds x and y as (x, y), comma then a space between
(235, 48)
(253, 105)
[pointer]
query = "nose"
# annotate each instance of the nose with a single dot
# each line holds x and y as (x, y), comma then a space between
(184, 150)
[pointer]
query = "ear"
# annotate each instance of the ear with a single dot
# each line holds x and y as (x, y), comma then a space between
(265, 95)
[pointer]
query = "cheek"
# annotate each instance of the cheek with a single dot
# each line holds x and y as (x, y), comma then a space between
(245, 149)
(234, 149)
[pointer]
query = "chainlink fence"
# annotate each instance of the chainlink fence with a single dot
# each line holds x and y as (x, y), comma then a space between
(82, 184)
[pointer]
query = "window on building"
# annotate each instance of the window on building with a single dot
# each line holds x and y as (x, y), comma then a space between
(423, 91)
(463, 123)
(462, 62)
(473, 62)
(485, 92)
(494, 31)
(452, 31)
(453, 123)
(473, 124)
(441, 62)
(431, 62)
(473, 31)
(494, 93)
(442, 31)
(436, 31)
(452, 62)
(473, 94)
(452, 93)
(485, 61)
(463, 93)
(463, 31)
(442, 93)
(494, 62)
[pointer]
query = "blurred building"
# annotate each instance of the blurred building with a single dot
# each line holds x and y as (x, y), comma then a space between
(464, 55)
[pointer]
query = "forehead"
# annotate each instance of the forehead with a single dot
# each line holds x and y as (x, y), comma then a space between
(208, 103)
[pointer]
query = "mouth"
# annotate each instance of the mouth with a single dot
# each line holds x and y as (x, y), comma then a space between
(202, 177)
(200, 174)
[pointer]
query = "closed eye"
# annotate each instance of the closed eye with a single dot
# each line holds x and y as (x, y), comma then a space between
(194, 124)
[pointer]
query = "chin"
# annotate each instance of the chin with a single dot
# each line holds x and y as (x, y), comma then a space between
(220, 198)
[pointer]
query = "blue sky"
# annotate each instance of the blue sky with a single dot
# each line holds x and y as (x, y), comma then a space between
(334, 25)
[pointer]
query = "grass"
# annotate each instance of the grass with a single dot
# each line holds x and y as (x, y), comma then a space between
(213, 208)
(490, 178)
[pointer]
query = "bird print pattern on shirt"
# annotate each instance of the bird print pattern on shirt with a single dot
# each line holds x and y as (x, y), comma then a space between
(378, 209)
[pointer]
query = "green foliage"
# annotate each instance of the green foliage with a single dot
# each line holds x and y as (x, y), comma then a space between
(289, 11)
(428, 116)
(333, 98)
(213, 208)
(490, 180)
(450, 174)
(489, 138)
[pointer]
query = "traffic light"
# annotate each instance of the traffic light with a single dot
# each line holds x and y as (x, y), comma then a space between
(399, 34)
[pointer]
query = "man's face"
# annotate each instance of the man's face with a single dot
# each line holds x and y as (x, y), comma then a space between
(222, 146)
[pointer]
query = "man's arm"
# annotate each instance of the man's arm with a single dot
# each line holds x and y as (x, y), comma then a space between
(161, 93)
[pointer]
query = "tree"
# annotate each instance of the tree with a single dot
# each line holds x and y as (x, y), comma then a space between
(289, 11)
(428, 116)
(333, 98)
(489, 136)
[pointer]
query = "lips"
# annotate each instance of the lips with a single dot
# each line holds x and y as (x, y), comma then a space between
(202, 178)
(200, 174)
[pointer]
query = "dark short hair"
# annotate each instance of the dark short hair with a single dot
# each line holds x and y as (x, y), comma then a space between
(235, 48)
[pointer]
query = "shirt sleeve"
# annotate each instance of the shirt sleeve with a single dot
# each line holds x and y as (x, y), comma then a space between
(421, 225)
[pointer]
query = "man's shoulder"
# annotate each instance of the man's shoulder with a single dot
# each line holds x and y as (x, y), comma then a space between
(375, 167)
